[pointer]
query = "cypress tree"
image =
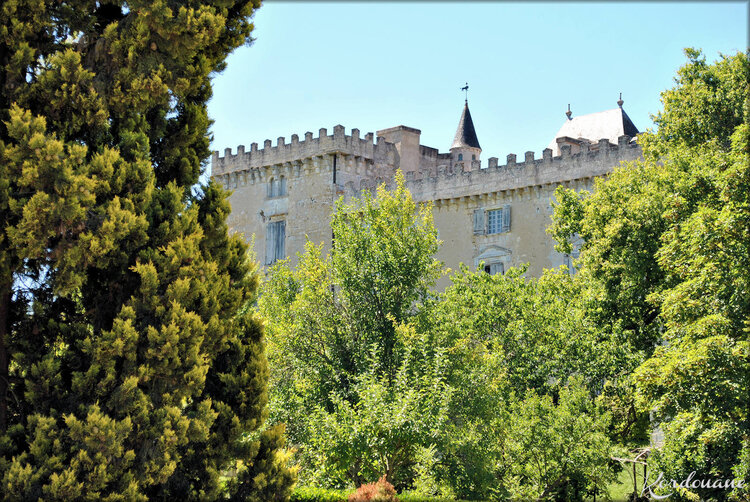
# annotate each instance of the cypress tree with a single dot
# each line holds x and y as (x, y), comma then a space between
(131, 366)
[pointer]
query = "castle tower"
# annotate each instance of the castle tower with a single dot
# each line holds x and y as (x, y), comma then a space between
(592, 128)
(465, 148)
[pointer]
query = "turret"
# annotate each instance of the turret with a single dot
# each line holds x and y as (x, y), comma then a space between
(465, 148)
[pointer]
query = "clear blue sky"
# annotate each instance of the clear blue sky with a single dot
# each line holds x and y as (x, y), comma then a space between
(376, 65)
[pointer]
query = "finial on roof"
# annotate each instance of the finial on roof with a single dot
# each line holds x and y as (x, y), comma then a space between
(465, 88)
(620, 101)
(569, 113)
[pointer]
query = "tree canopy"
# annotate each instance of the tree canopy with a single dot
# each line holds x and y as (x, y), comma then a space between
(518, 388)
(130, 364)
(666, 255)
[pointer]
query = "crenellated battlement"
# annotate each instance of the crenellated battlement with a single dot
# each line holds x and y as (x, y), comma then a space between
(296, 151)
(373, 162)
(294, 184)
(461, 180)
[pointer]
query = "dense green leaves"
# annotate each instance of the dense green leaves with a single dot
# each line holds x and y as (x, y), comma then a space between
(375, 377)
(667, 255)
(357, 395)
(529, 383)
(130, 364)
(556, 451)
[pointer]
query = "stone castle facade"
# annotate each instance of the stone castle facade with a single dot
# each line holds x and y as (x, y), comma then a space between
(283, 195)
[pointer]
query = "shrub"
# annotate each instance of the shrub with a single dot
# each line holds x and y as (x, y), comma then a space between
(380, 491)
(311, 494)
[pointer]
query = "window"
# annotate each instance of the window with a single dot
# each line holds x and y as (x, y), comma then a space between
(498, 220)
(460, 157)
(494, 268)
(494, 221)
(275, 237)
(276, 187)
(473, 157)
(493, 259)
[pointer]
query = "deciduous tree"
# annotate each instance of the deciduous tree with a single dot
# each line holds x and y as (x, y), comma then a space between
(667, 255)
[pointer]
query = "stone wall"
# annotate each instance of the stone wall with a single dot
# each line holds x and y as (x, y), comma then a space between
(455, 190)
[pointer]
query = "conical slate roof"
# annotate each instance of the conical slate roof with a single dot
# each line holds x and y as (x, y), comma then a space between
(466, 136)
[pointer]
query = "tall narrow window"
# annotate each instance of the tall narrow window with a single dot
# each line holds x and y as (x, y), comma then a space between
(460, 157)
(275, 237)
(276, 187)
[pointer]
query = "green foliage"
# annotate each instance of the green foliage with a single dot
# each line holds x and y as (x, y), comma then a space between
(556, 451)
(708, 102)
(505, 336)
(697, 383)
(410, 496)
(535, 329)
(130, 365)
(513, 388)
(430, 401)
(357, 395)
(311, 494)
(380, 434)
(383, 263)
(667, 255)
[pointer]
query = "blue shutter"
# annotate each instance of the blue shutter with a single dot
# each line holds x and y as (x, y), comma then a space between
(506, 218)
(270, 242)
(479, 221)
(280, 239)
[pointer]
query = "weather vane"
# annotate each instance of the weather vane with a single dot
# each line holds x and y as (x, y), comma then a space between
(466, 91)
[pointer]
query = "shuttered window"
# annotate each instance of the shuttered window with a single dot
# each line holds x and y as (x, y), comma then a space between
(495, 221)
(498, 220)
(275, 237)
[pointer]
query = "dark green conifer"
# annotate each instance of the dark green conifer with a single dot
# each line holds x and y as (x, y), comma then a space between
(130, 365)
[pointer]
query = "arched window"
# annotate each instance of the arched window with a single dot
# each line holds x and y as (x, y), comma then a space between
(276, 187)
(460, 157)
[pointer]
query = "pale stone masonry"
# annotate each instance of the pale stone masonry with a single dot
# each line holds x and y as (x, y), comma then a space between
(495, 214)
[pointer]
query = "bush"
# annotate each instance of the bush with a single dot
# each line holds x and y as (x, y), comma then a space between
(411, 496)
(311, 494)
(380, 491)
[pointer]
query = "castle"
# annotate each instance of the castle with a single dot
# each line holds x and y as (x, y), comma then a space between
(495, 214)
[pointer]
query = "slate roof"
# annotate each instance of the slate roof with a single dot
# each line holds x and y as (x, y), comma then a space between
(609, 124)
(466, 136)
